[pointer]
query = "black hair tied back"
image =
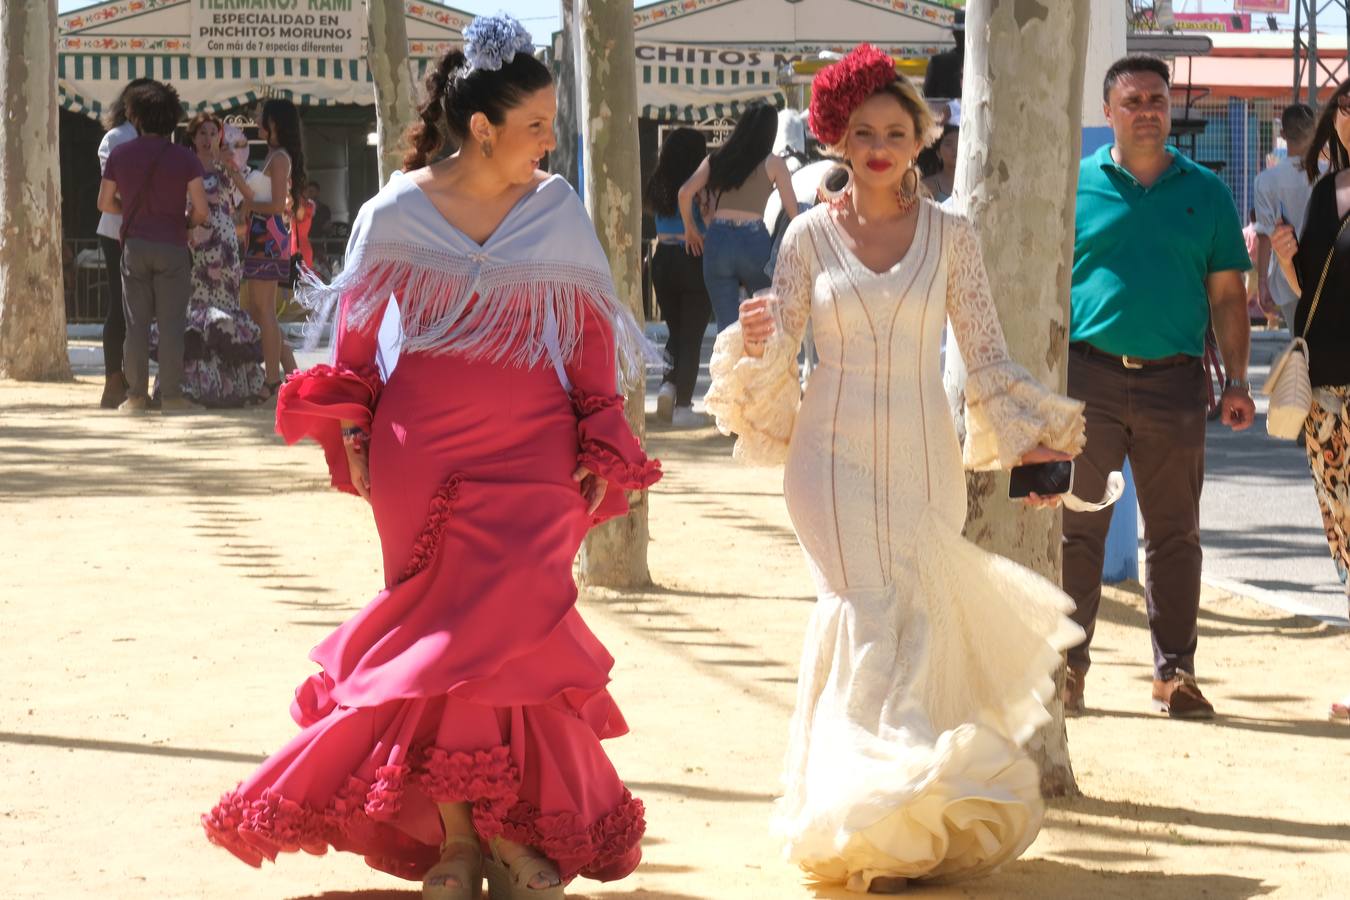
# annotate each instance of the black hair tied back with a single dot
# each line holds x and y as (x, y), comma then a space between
(456, 90)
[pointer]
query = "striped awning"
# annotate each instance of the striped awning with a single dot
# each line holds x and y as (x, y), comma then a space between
(87, 83)
(692, 93)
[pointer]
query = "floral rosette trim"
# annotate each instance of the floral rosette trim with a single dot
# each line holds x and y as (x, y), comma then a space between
(429, 539)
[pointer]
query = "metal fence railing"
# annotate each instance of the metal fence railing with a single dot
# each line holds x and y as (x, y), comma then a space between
(87, 293)
(1240, 138)
(86, 281)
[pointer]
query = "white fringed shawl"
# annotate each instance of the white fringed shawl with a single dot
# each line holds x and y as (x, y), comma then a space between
(534, 278)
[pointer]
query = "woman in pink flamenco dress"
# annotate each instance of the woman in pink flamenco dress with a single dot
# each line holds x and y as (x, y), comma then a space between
(454, 728)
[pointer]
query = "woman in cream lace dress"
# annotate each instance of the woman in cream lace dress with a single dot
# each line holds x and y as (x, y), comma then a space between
(927, 660)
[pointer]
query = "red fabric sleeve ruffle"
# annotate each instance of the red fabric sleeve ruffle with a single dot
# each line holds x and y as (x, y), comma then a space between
(313, 403)
(610, 450)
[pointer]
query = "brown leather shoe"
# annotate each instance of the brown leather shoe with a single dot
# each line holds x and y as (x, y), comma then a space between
(1072, 695)
(1180, 697)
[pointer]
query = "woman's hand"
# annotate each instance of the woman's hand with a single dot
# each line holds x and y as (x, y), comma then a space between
(756, 321)
(693, 242)
(359, 468)
(1042, 454)
(593, 488)
(1284, 243)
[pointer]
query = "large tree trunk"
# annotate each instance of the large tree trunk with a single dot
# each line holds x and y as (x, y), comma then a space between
(32, 296)
(387, 58)
(563, 160)
(615, 554)
(1018, 173)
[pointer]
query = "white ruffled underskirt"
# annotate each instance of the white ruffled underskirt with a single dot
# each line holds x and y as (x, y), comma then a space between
(905, 757)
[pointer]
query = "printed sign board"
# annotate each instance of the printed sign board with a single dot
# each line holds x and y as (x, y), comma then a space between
(296, 29)
(1280, 7)
(1214, 22)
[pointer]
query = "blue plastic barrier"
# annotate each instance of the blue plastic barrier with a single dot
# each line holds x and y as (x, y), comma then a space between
(1122, 540)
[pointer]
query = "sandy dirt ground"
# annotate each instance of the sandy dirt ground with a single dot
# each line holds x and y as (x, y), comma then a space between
(164, 579)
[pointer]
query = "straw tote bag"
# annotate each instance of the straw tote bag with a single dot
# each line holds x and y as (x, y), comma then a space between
(1288, 387)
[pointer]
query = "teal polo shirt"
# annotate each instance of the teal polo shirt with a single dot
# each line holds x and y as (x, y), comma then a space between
(1141, 255)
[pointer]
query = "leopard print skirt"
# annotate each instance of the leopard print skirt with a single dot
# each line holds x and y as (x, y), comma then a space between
(1327, 434)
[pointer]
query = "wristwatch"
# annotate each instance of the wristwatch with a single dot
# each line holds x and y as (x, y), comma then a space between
(1242, 383)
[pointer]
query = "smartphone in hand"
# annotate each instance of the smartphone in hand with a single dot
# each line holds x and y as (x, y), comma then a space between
(1043, 479)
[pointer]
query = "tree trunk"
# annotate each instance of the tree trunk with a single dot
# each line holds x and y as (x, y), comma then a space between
(1018, 173)
(32, 294)
(615, 554)
(563, 160)
(387, 58)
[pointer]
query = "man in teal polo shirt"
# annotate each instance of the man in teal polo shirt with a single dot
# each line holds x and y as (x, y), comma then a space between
(1158, 256)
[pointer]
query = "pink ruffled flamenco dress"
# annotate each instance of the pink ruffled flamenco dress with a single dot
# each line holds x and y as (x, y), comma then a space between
(471, 677)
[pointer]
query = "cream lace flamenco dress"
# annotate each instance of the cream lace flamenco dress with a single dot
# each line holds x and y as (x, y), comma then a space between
(927, 660)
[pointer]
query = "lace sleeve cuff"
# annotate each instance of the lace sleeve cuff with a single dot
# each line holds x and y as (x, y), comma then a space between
(314, 402)
(1009, 413)
(755, 399)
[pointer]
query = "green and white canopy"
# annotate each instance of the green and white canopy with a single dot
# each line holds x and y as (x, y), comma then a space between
(671, 92)
(102, 47)
(696, 59)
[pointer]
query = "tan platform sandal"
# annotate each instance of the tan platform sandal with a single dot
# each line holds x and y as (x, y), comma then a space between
(512, 882)
(459, 874)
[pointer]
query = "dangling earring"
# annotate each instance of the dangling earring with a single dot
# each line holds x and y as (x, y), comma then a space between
(908, 195)
(835, 186)
(487, 148)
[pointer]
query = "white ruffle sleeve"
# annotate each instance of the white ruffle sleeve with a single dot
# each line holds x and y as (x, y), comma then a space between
(1008, 412)
(757, 399)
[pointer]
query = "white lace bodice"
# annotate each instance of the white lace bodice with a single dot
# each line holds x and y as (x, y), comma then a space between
(874, 425)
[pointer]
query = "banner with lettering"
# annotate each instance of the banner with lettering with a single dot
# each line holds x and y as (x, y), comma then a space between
(1229, 23)
(1280, 7)
(278, 29)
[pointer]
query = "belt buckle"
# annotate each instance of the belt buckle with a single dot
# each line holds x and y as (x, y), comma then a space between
(1127, 363)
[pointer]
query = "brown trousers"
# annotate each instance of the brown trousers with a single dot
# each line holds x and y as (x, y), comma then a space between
(1155, 416)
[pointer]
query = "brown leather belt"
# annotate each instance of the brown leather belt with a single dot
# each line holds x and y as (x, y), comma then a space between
(1133, 362)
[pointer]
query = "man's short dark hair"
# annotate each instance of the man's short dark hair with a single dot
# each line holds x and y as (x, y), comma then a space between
(1297, 122)
(154, 108)
(1129, 65)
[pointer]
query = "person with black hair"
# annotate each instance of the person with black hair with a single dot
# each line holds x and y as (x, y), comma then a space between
(110, 243)
(147, 181)
(277, 188)
(942, 79)
(1158, 255)
(942, 183)
(454, 730)
(677, 277)
(735, 181)
(1316, 263)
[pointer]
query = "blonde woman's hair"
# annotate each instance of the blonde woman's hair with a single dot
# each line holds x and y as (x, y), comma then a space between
(909, 98)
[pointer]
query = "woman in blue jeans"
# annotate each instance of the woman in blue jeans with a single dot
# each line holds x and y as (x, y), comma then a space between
(736, 181)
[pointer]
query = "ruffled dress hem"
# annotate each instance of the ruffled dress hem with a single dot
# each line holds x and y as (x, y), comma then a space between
(360, 817)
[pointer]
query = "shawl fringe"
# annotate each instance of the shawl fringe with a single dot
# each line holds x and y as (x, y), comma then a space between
(520, 307)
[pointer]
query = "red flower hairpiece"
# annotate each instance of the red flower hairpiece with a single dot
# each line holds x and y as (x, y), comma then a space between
(841, 88)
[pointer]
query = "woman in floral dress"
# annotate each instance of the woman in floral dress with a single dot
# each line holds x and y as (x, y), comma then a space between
(222, 363)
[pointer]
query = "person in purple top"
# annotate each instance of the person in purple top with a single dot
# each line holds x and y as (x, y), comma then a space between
(148, 181)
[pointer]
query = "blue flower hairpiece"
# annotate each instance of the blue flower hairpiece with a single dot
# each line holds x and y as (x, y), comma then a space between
(491, 41)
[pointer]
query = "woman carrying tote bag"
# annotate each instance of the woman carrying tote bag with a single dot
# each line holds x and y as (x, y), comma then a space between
(1319, 266)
